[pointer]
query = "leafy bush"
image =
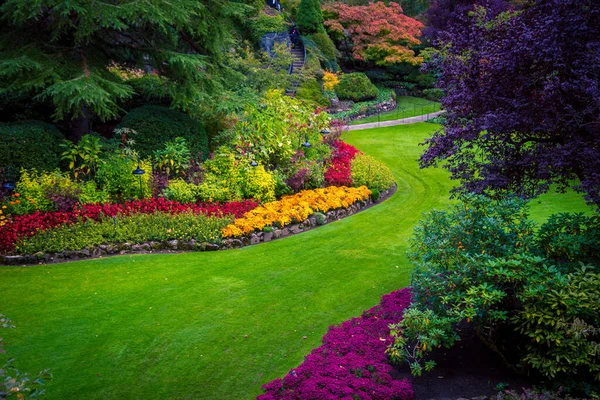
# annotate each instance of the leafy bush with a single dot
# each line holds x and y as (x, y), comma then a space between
(263, 24)
(39, 188)
(115, 177)
(30, 145)
(311, 90)
(156, 125)
(434, 94)
(322, 46)
(181, 191)
(174, 158)
(570, 238)
(478, 263)
(271, 132)
(370, 172)
(84, 157)
(258, 184)
(356, 87)
(138, 228)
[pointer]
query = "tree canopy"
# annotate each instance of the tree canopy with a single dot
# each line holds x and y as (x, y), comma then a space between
(379, 33)
(60, 50)
(523, 100)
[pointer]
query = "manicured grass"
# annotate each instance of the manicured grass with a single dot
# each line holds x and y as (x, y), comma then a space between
(408, 106)
(218, 325)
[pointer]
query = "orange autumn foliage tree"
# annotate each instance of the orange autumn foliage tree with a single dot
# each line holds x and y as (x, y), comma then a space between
(379, 33)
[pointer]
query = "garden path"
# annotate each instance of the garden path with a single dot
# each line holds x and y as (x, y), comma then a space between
(403, 121)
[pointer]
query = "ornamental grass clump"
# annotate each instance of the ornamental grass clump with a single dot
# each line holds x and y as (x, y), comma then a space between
(351, 363)
(295, 208)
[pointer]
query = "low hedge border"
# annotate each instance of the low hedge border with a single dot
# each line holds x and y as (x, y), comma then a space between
(171, 246)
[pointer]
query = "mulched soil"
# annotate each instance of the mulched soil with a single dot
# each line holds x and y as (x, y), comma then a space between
(468, 370)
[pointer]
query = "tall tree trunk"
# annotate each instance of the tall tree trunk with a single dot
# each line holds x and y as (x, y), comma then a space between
(80, 126)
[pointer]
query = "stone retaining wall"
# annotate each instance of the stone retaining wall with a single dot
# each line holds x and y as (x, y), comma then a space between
(192, 245)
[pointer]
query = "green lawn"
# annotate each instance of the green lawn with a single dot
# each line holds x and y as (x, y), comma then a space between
(218, 325)
(408, 106)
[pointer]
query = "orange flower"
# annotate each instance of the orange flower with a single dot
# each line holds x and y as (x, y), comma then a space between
(17, 194)
(18, 201)
(12, 203)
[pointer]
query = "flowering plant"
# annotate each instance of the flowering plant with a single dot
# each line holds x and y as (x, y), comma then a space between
(339, 172)
(296, 208)
(28, 225)
(351, 363)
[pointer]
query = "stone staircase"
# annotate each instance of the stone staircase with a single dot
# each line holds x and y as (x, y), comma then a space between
(299, 55)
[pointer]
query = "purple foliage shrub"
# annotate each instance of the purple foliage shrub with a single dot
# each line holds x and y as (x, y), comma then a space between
(351, 364)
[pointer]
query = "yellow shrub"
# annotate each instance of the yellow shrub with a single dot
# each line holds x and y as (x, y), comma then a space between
(296, 208)
(330, 80)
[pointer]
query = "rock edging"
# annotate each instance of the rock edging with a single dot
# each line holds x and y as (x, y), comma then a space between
(170, 246)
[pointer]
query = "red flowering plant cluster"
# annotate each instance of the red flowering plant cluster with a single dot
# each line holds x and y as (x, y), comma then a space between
(339, 171)
(29, 224)
(351, 363)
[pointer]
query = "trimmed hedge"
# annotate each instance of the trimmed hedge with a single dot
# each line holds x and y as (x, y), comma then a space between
(30, 144)
(156, 125)
(356, 87)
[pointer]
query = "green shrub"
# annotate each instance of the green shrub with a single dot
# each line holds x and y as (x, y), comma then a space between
(375, 194)
(321, 44)
(174, 158)
(30, 145)
(356, 87)
(181, 191)
(91, 194)
(115, 177)
(258, 184)
(434, 94)
(311, 90)
(263, 24)
(359, 108)
(570, 238)
(37, 187)
(156, 125)
(309, 18)
(368, 171)
(133, 229)
(477, 263)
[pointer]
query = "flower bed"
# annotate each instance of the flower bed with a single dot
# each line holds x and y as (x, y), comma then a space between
(351, 363)
(339, 172)
(295, 208)
(28, 225)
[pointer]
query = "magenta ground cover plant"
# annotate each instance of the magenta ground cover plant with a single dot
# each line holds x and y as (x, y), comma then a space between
(351, 364)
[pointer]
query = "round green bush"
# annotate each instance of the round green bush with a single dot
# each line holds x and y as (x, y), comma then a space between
(372, 173)
(156, 125)
(30, 144)
(356, 87)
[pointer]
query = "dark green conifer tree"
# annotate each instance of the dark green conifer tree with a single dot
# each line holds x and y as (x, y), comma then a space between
(59, 51)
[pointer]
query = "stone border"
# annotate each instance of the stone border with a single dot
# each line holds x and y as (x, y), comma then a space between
(173, 246)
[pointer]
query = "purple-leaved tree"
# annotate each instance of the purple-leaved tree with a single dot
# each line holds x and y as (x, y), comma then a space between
(523, 100)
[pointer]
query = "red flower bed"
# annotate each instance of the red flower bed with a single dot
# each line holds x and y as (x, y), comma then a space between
(351, 363)
(339, 174)
(27, 225)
